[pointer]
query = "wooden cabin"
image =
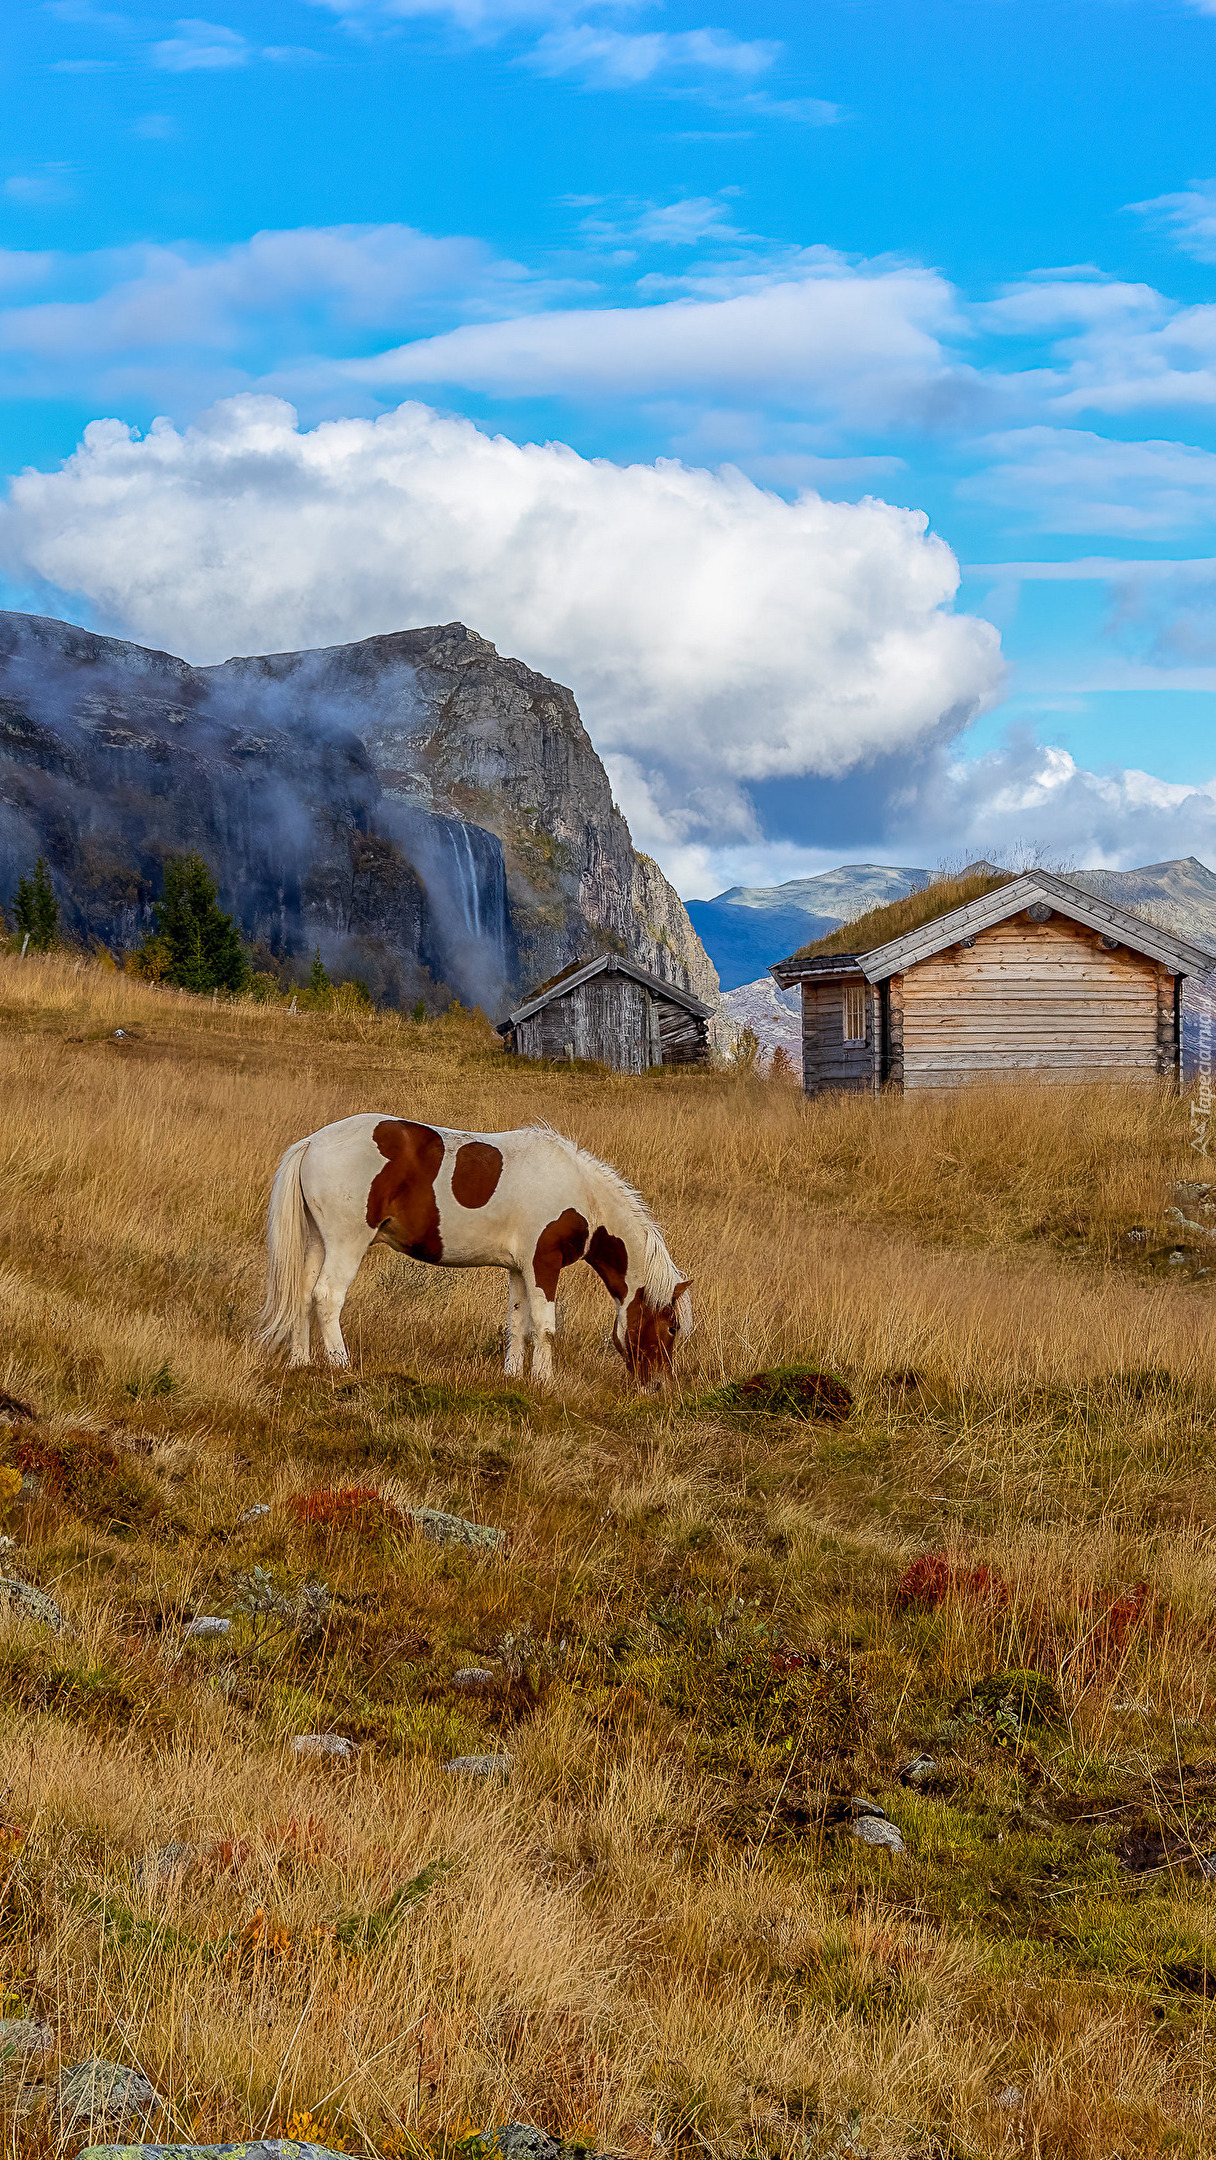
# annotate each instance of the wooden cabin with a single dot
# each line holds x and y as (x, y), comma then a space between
(615, 1013)
(1035, 977)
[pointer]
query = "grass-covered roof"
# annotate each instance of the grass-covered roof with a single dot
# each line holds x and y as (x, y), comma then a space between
(879, 925)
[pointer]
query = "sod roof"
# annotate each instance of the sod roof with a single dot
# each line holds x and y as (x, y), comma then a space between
(879, 925)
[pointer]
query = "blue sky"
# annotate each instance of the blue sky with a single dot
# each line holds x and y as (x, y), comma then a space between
(867, 352)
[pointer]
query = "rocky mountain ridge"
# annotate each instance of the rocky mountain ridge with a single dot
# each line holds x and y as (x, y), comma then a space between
(429, 813)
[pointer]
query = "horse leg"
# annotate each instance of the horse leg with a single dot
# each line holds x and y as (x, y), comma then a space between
(301, 1327)
(542, 1312)
(517, 1323)
(342, 1262)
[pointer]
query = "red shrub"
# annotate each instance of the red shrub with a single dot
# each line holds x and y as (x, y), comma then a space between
(935, 1577)
(1117, 1616)
(353, 1507)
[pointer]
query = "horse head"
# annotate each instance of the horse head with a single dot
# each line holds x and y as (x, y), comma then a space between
(648, 1339)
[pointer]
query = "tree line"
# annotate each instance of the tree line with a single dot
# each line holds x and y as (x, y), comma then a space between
(193, 944)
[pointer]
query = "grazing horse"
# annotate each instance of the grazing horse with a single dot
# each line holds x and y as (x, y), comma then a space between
(531, 1202)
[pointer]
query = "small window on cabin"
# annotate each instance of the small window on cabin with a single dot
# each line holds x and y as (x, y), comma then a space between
(854, 1012)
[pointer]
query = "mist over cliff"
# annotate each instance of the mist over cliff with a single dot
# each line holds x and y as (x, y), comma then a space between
(433, 816)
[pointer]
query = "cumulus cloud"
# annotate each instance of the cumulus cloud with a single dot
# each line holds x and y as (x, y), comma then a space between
(714, 634)
(1028, 789)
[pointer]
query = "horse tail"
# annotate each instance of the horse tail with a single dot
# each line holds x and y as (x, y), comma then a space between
(286, 1249)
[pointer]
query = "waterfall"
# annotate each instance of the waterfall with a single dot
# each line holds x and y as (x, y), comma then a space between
(456, 832)
(470, 941)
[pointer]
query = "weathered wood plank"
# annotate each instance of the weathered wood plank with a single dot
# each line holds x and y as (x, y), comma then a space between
(997, 1061)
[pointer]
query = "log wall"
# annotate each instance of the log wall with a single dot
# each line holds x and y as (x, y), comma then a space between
(1046, 998)
(828, 1061)
(614, 1021)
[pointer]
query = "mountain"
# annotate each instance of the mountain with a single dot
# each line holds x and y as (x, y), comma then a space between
(774, 1017)
(433, 816)
(451, 726)
(745, 929)
(1179, 895)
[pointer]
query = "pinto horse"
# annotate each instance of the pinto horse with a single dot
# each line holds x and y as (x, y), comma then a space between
(531, 1202)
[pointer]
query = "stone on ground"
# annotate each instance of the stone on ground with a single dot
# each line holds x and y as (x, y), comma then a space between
(30, 1604)
(25, 2040)
(453, 1529)
(875, 1830)
(256, 2149)
(331, 1744)
(105, 2094)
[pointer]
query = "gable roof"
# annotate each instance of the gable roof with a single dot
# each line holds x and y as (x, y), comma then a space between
(607, 964)
(1178, 954)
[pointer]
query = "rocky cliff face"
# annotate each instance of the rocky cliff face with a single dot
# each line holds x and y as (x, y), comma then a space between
(427, 812)
(452, 726)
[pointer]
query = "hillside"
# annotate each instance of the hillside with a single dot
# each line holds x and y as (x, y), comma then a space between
(433, 815)
(727, 1651)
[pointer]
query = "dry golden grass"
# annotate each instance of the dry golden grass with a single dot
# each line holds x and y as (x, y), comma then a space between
(658, 1932)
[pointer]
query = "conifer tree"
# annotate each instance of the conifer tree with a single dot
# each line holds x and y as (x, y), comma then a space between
(196, 945)
(37, 910)
(319, 983)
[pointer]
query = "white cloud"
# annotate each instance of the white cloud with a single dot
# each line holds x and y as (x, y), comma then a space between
(481, 17)
(204, 311)
(1067, 480)
(579, 41)
(209, 48)
(204, 46)
(50, 184)
(618, 58)
(1107, 346)
(1189, 217)
(1038, 792)
(708, 629)
(866, 342)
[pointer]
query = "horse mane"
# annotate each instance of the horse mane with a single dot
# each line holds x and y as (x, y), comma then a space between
(661, 1273)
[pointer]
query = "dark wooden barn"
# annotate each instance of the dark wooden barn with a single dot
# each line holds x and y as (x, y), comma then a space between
(1037, 976)
(615, 1013)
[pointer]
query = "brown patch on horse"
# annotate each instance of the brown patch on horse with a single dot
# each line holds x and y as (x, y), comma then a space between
(650, 1338)
(559, 1244)
(607, 1255)
(475, 1173)
(401, 1204)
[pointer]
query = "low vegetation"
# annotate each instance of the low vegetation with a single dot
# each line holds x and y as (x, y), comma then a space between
(967, 1578)
(895, 918)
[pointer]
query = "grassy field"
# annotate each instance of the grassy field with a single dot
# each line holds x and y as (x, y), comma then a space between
(709, 1629)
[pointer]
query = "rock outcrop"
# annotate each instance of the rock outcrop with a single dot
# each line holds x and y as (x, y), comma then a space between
(428, 813)
(452, 726)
